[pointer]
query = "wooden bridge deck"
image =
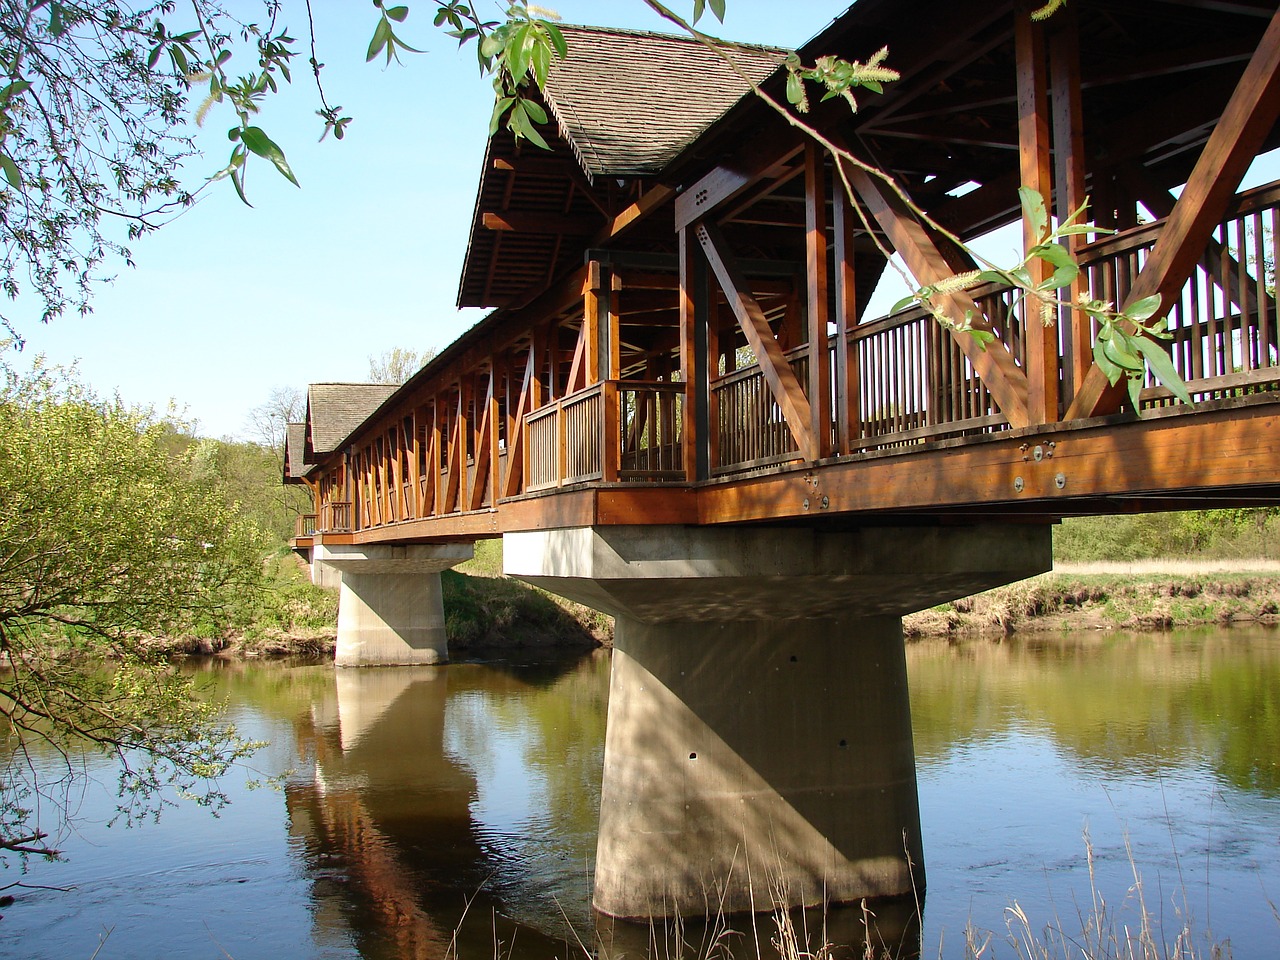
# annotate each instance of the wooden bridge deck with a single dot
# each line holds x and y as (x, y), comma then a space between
(710, 360)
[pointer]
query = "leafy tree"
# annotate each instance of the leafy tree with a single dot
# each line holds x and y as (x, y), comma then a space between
(106, 539)
(398, 364)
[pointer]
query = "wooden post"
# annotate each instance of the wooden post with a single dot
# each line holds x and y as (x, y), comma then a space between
(1069, 157)
(815, 246)
(1040, 325)
(848, 412)
(693, 358)
(591, 309)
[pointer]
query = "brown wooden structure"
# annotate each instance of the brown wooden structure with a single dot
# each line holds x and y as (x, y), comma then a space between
(680, 334)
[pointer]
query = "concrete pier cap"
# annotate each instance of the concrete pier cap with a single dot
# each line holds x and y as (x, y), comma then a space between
(390, 605)
(759, 747)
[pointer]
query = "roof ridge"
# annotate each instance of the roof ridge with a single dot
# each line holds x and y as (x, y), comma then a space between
(684, 37)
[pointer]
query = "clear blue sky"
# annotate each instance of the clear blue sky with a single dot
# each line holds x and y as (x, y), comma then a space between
(228, 302)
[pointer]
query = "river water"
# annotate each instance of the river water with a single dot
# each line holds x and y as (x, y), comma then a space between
(423, 801)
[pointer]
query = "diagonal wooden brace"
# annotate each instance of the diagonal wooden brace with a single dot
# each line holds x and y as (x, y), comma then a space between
(996, 366)
(1248, 118)
(777, 371)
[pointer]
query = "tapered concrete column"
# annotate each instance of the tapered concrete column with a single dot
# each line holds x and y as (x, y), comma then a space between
(759, 738)
(390, 610)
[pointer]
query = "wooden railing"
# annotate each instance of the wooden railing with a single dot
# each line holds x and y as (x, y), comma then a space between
(650, 430)
(304, 525)
(750, 429)
(335, 517)
(914, 383)
(566, 440)
(1223, 323)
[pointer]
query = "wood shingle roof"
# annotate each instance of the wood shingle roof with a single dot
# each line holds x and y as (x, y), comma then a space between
(629, 101)
(334, 410)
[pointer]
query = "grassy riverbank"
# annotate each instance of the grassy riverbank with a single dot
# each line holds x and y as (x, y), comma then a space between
(1150, 595)
(487, 614)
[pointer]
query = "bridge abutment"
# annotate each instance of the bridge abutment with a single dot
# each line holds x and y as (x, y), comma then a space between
(759, 734)
(390, 609)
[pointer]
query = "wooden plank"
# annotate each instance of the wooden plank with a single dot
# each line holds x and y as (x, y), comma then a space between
(928, 264)
(589, 340)
(815, 247)
(1041, 337)
(777, 371)
(1247, 120)
(846, 372)
(1070, 170)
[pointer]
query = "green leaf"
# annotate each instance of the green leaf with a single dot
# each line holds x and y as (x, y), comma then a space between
(11, 172)
(699, 6)
(500, 108)
(795, 88)
(541, 61)
(1143, 309)
(518, 50)
(535, 111)
(381, 34)
(557, 39)
(1104, 363)
(1161, 365)
(903, 303)
(1122, 353)
(396, 13)
(1033, 210)
(1134, 386)
(256, 140)
(717, 7)
(992, 276)
(521, 126)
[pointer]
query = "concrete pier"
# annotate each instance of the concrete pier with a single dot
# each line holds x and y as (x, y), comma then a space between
(759, 741)
(390, 611)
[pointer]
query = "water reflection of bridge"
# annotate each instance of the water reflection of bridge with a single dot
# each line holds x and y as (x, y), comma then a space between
(682, 413)
(388, 821)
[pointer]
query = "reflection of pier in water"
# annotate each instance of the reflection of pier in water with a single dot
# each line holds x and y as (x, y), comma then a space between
(386, 821)
(389, 830)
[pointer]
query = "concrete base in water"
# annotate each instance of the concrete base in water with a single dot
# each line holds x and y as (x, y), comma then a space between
(759, 737)
(390, 610)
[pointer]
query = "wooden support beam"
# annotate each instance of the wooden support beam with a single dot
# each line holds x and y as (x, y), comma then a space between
(926, 260)
(653, 199)
(539, 223)
(691, 365)
(815, 246)
(846, 374)
(1040, 337)
(774, 367)
(529, 394)
(591, 320)
(1069, 193)
(486, 447)
(724, 183)
(1247, 120)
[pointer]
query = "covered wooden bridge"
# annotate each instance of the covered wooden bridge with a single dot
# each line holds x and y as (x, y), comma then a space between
(681, 343)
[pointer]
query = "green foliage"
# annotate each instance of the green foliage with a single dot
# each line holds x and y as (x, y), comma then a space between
(1205, 534)
(108, 537)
